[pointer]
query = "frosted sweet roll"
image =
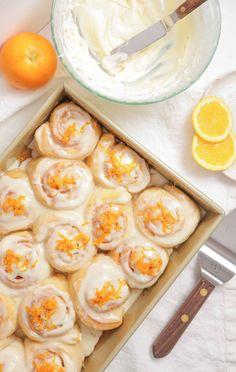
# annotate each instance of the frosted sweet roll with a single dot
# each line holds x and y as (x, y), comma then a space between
(109, 212)
(12, 357)
(142, 261)
(71, 133)
(22, 260)
(47, 311)
(18, 205)
(67, 240)
(60, 184)
(114, 164)
(8, 316)
(53, 357)
(99, 291)
(167, 216)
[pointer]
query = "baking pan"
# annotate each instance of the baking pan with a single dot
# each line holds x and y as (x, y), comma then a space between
(112, 341)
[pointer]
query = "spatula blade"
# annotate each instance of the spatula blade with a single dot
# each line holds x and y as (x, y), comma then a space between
(225, 234)
(139, 42)
(217, 257)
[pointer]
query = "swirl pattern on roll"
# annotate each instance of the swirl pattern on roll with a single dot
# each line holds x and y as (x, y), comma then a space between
(114, 164)
(142, 261)
(47, 311)
(166, 216)
(60, 184)
(109, 225)
(22, 260)
(67, 240)
(55, 357)
(18, 206)
(8, 316)
(99, 291)
(71, 133)
(109, 212)
(12, 357)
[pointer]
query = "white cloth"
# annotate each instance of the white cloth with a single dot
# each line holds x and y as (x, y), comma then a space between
(209, 344)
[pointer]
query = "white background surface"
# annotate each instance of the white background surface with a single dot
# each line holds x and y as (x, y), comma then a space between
(209, 344)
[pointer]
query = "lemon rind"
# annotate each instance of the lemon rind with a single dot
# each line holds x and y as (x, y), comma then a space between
(211, 167)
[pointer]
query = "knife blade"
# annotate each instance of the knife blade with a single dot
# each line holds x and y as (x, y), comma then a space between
(217, 259)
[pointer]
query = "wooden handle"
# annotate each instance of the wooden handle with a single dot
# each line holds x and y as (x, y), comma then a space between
(188, 6)
(181, 320)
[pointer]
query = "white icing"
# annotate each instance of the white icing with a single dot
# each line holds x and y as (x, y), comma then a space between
(89, 28)
(53, 229)
(133, 250)
(69, 196)
(17, 188)
(90, 338)
(31, 266)
(62, 319)
(7, 317)
(72, 337)
(102, 271)
(56, 354)
(109, 236)
(117, 165)
(102, 206)
(12, 355)
(51, 136)
(153, 198)
(134, 295)
(184, 215)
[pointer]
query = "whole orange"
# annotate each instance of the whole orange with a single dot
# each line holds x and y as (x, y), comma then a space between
(28, 60)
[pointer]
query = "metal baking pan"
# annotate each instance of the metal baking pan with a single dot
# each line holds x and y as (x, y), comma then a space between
(111, 342)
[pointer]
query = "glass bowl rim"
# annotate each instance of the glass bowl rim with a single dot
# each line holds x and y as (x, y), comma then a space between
(135, 102)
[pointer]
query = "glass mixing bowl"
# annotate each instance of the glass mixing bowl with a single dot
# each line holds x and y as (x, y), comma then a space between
(169, 75)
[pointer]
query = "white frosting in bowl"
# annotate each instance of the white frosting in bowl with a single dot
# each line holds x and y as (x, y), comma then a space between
(86, 31)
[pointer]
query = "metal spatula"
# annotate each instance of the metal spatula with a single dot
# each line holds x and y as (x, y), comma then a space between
(217, 260)
(157, 31)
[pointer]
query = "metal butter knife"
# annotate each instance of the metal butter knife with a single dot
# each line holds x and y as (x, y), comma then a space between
(158, 30)
(217, 260)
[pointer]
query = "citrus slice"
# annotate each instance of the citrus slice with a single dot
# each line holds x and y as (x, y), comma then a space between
(214, 156)
(212, 119)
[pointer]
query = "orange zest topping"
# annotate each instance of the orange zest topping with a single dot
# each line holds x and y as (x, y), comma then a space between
(14, 205)
(40, 363)
(68, 245)
(118, 169)
(107, 293)
(159, 213)
(21, 262)
(69, 133)
(40, 316)
(58, 183)
(108, 221)
(144, 264)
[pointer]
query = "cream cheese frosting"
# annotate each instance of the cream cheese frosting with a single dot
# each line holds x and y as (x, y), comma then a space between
(90, 29)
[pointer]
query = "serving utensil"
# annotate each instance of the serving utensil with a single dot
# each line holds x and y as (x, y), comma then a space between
(217, 259)
(157, 31)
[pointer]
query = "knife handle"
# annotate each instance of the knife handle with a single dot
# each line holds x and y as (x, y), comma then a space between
(188, 7)
(167, 339)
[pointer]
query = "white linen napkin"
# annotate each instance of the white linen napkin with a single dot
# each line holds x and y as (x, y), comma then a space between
(166, 130)
(209, 344)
